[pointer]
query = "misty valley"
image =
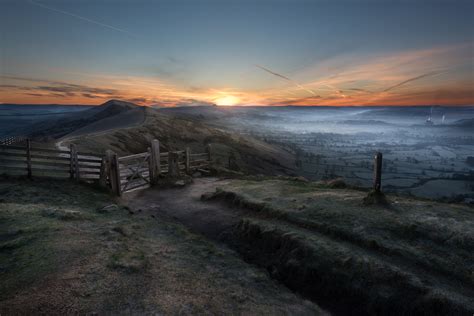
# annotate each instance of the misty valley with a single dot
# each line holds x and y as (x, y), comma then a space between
(425, 160)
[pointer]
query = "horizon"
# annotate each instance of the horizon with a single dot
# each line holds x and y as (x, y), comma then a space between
(243, 106)
(238, 53)
(238, 105)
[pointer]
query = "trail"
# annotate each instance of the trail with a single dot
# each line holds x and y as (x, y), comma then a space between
(185, 206)
(218, 219)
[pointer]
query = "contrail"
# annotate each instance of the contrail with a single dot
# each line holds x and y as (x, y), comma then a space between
(286, 78)
(83, 18)
(433, 73)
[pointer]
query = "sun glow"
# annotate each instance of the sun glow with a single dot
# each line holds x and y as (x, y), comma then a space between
(227, 100)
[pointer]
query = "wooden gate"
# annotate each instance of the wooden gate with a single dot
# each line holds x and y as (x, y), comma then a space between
(140, 171)
(134, 171)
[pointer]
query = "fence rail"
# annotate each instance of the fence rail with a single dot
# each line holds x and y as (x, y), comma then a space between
(120, 174)
(37, 161)
(12, 140)
(128, 173)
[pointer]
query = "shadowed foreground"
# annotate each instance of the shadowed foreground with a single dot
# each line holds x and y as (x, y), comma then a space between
(66, 248)
(320, 239)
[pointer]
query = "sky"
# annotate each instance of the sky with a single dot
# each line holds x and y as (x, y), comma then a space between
(229, 52)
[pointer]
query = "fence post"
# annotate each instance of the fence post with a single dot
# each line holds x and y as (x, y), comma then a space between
(118, 184)
(103, 172)
(155, 159)
(188, 157)
(378, 171)
(72, 150)
(114, 172)
(76, 165)
(151, 166)
(28, 157)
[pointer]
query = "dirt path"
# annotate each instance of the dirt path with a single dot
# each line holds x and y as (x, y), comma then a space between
(185, 206)
(215, 220)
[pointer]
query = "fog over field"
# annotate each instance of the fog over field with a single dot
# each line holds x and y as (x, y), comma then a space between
(427, 160)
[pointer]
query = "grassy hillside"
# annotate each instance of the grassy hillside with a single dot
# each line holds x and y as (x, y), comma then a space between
(69, 249)
(176, 133)
(408, 256)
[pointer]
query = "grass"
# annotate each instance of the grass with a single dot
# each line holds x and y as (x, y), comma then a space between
(412, 244)
(62, 252)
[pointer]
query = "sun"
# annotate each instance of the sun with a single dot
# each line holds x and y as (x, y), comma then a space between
(227, 100)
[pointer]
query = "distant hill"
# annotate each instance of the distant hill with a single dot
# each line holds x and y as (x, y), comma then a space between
(176, 130)
(54, 129)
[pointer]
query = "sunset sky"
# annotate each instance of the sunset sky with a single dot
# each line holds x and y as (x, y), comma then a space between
(229, 52)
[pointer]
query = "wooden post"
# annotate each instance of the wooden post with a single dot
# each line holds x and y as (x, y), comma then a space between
(108, 157)
(155, 159)
(378, 171)
(151, 166)
(188, 157)
(76, 166)
(114, 172)
(72, 150)
(28, 157)
(103, 173)
(173, 164)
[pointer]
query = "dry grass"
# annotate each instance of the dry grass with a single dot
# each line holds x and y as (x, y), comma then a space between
(371, 255)
(251, 155)
(62, 252)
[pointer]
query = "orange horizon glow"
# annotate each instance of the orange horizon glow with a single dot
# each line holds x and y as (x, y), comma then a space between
(437, 76)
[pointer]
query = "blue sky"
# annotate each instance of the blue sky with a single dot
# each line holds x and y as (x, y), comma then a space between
(197, 48)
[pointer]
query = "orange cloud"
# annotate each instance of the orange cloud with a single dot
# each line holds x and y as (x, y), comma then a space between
(432, 76)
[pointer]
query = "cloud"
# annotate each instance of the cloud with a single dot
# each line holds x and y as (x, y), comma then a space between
(138, 100)
(193, 102)
(83, 18)
(58, 89)
(71, 89)
(432, 73)
(285, 78)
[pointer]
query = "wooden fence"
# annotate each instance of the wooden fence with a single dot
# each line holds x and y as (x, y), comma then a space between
(119, 174)
(11, 140)
(36, 161)
(137, 171)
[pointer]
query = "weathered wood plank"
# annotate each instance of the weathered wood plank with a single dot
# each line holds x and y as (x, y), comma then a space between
(97, 161)
(48, 163)
(135, 156)
(12, 147)
(200, 155)
(12, 161)
(2, 153)
(47, 170)
(142, 185)
(199, 161)
(46, 157)
(47, 150)
(13, 168)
